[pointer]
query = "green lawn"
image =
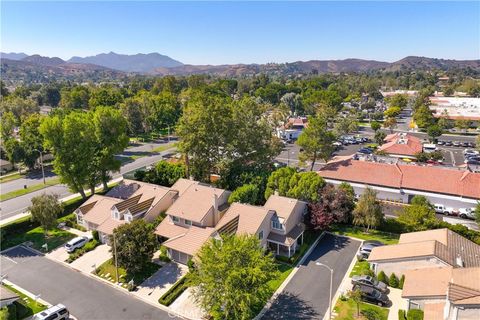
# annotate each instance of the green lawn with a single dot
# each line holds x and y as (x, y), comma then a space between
(56, 238)
(155, 150)
(32, 188)
(360, 268)
(357, 232)
(108, 267)
(10, 177)
(347, 310)
(285, 270)
(25, 306)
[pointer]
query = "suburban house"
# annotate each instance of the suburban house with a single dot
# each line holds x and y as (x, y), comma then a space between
(444, 293)
(401, 182)
(201, 212)
(7, 297)
(401, 145)
(130, 200)
(191, 219)
(278, 224)
(292, 129)
(426, 249)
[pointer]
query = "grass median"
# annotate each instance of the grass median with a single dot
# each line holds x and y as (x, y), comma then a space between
(10, 177)
(32, 188)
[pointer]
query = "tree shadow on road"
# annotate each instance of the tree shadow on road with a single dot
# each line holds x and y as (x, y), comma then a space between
(328, 243)
(290, 306)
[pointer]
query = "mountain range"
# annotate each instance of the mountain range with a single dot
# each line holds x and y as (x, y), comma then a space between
(22, 67)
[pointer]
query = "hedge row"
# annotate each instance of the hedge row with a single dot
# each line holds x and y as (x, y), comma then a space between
(174, 292)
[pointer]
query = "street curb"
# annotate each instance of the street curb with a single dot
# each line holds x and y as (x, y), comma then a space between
(26, 292)
(272, 299)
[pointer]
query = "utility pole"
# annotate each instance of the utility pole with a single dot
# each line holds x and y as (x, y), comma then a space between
(41, 163)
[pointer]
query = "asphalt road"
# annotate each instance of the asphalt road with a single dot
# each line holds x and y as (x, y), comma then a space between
(19, 204)
(306, 296)
(84, 297)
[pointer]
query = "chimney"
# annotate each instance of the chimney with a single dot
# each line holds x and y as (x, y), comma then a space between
(215, 203)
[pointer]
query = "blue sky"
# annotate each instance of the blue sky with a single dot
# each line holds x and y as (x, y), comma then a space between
(244, 32)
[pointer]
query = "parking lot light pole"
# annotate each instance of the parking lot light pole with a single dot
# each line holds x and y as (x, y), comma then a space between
(331, 283)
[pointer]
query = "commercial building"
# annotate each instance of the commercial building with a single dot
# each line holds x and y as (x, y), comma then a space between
(401, 145)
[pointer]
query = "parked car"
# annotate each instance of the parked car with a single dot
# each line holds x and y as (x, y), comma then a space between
(471, 144)
(440, 142)
(57, 312)
(367, 247)
(448, 143)
(372, 295)
(473, 161)
(457, 144)
(467, 213)
(75, 243)
(365, 151)
(370, 282)
(470, 152)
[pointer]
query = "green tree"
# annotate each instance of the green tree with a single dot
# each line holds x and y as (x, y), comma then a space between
(7, 123)
(14, 151)
(417, 216)
(19, 107)
(462, 124)
(392, 112)
(423, 116)
(375, 125)
(379, 137)
(434, 131)
(390, 123)
(345, 125)
(73, 143)
(45, 209)
(248, 193)
(356, 296)
(393, 281)
(368, 212)
(348, 189)
(477, 213)
(164, 173)
(316, 141)
(133, 110)
(398, 100)
(31, 139)
(279, 181)
(75, 98)
(135, 244)
(305, 186)
(111, 139)
(231, 277)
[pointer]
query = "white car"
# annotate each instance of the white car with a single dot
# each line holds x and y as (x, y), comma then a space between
(57, 312)
(470, 152)
(440, 208)
(467, 213)
(75, 243)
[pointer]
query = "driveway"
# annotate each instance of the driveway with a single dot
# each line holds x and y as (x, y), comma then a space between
(306, 296)
(92, 259)
(155, 286)
(86, 298)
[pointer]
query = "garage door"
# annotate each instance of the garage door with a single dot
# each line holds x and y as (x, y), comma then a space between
(178, 256)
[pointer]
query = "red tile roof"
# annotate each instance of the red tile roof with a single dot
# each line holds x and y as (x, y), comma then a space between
(432, 179)
(402, 144)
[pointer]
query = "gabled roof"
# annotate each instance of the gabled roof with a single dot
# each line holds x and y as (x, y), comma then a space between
(464, 288)
(415, 177)
(444, 244)
(141, 206)
(427, 282)
(243, 219)
(87, 207)
(283, 206)
(401, 144)
(109, 225)
(195, 202)
(168, 229)
(101, 210)
(182, 184)
(191, 241)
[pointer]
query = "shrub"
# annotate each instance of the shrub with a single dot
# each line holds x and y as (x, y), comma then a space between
(95, 235)
(190, 265)
(343, 297)
(174, 292)
(393, 281)
(402, 315)
(163, 254)
(382, 277)
(415, 314)
(371, 314)
(402, 281)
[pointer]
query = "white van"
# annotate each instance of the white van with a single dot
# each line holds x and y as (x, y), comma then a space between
(58, 312)
(429, 147)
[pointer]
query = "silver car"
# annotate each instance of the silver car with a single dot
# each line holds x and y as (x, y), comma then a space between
(367, 247)
(370, 282)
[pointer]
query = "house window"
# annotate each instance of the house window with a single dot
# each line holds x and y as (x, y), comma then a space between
(188, 222)
(277, 225)
(175, 219)
(260, 235)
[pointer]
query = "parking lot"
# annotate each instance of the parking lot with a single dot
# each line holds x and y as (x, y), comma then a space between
(86, 298)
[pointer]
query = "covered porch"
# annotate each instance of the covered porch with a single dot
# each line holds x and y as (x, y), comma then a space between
(286, 245)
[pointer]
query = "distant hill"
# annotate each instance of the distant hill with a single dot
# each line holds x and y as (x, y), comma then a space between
(13, 55)
(423, 63)
(24, 71)
(142, 63)
(44, 61)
